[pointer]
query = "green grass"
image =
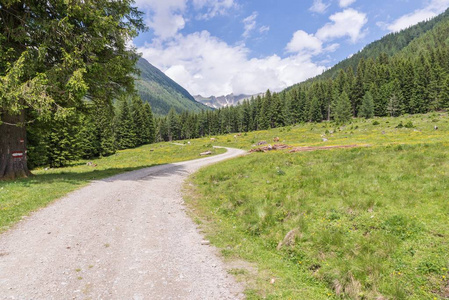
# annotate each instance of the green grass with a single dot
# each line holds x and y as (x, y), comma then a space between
(18, 198)
(360, 131)
(371, 222)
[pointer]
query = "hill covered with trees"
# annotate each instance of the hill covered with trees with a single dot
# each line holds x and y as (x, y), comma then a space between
(403, 73)
(162, 92)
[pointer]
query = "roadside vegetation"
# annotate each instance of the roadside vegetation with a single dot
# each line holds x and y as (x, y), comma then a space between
(20, 197)
(361, 223)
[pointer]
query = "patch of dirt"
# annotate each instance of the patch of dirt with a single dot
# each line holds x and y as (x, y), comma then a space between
(270, 148)
(304, 149)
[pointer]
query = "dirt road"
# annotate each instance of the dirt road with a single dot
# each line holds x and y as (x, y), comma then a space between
(125, 237)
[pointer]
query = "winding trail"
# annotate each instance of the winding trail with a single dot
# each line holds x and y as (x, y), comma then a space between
(124, 237)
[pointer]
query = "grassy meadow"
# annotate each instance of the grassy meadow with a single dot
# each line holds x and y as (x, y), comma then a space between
(385, 131)
(18, 198)
(361, 223)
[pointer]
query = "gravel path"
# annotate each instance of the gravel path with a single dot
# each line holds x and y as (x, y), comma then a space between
(125, 237)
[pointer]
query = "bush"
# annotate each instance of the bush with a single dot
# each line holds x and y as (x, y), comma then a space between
(375, 123)
(409, 125)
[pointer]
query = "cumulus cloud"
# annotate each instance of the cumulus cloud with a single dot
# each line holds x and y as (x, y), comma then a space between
(319, 6)
(433, 8)
(165, 18)
(304, 42)
(206, 65)
(349, 23)
(345, 3)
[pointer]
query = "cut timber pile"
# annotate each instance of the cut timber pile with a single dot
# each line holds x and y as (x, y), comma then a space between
(270, 148)
(302, 149)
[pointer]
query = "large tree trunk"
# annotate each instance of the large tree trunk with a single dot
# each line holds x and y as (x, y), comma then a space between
(13, 157)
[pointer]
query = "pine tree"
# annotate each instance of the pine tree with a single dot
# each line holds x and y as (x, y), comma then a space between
(64, 141)
(90, 143)
(277, 114)
(173, 126)
(315, 111)
(342, 111)
(358, 89)
(264, 114)
(445, 93)
(367, 107)
(149, 124)
(138, 117)
(105, 128)
(125, 135)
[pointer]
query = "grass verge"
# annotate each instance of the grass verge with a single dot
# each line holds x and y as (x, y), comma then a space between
(18, 198)
(362, 223)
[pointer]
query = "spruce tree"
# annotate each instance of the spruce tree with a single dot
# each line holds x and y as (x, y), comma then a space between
(342, 111)
(445, 93)
(367, 108)
(149, 124)
(125, 135)
(315, 111)
(138, 117)
(264, 114)
(104, 123)
(174, 128)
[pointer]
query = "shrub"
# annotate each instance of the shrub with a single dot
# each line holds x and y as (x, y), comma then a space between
(409, 125)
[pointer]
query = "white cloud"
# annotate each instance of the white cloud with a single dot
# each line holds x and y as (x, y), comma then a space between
(206, 65)
(249, 24)
(213, 7)
(164, 17)
(433, 8)
(304, 42)
(346, 3)
(319, 6)
(167, 17)
(332, 47)
(346, 23)
(264, 28)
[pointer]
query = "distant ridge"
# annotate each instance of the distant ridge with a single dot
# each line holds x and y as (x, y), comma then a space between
(162, 92)
(224, 101)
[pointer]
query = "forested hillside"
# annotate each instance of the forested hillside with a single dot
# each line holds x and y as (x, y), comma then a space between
(390, 44)
(162, 92)
(403, 73)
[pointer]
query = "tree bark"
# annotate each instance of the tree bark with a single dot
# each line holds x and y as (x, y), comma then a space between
(13, 156)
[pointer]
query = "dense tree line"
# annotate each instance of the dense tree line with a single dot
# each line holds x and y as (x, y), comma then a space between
(99, 131)
(383, 86)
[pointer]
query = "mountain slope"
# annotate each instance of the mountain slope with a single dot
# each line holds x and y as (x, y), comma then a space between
(392, 44)
(223, 101)
(162, 92)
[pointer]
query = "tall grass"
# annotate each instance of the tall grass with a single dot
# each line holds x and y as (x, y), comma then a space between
(369, 223)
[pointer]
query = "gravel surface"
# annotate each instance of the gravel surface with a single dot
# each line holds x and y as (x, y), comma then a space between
(125, 237)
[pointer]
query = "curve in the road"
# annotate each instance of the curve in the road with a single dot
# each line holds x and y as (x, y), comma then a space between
(125, 237)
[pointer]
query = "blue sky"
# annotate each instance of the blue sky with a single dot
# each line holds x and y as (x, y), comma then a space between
(218, 47)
